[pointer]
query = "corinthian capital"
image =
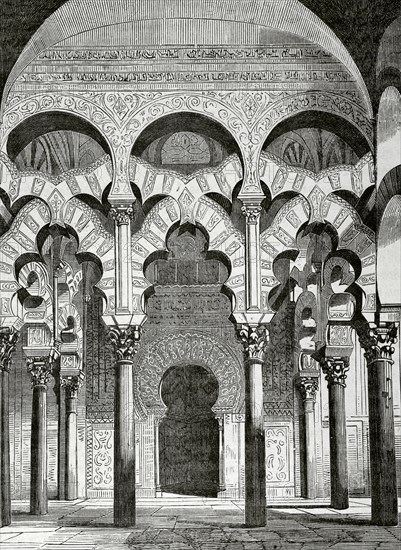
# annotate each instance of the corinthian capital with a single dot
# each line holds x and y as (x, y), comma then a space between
(254, 341)
(72, 384)
(125, 341)
(308, 387)
(252, 212)
(122, 215)
(378, 341)
(8, 342)
(335, 370)
(40, 369)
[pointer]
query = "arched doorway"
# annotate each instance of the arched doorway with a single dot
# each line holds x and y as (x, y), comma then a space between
(189, 433)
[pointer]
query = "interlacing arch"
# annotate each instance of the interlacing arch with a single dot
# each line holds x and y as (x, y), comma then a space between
(278, 238)
(87, 108)
(20, 243)
(353, 236)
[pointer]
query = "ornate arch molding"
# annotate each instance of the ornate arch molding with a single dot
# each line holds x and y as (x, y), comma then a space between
(189, 348)
(207, 104)
(332, 103)
(84, 105)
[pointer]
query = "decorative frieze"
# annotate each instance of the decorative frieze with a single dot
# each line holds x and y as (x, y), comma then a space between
(272, 75)
(272, 53)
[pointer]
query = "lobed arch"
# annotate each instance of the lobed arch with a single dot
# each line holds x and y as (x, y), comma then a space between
(280, 238)
(192, 347)
(354, 239)
(223, 238)
(44, 312)
(19, 245)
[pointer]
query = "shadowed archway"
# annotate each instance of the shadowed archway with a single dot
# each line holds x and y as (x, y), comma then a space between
(189, 433)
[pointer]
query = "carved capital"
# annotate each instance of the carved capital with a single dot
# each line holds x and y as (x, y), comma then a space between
(378, 341)
(335, 369)
(254, 340)
(122, 215)
(125, 341)
(8, 341)
(40, 369)
(72, 384)
(251, 212)
(308, 387)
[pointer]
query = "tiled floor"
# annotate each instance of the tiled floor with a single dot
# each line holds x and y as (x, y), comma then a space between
(190, 523)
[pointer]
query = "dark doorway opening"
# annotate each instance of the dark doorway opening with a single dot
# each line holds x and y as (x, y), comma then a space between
(189, 433)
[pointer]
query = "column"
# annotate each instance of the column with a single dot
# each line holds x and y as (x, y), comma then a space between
(158, 489)
(254, 340)
(308, 386)
(71, 385)
(8, 342)
(252, 211)
(378, 345)
(222, 456)
(123, 269)
(125, 341)
(39, 369)
(335, 369)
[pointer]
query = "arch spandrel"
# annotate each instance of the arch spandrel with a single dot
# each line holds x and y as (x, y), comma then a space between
(189, 348)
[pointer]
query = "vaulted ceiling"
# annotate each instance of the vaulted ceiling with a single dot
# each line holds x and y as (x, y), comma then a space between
(360, 25)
